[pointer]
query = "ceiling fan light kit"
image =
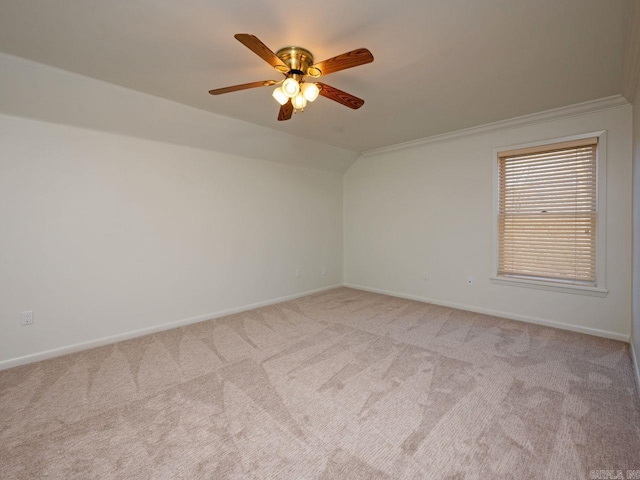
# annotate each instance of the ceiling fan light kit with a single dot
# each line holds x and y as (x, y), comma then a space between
(299, 102)
(295, 64)
(310, 91)
(280, 96)
(290, 87)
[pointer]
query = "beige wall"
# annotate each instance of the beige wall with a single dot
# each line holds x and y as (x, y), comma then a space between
(636, 230)
(104, 234)
(429, 209)
(122, 212)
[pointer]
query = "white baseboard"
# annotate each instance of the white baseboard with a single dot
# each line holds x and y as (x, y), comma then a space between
(496, 313)
(636, 366)
(36, 357)
(57, 352)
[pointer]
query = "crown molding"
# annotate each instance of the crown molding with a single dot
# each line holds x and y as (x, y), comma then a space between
(583, 108)
(631, 62)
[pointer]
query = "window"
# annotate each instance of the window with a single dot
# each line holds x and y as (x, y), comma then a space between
(547, 214)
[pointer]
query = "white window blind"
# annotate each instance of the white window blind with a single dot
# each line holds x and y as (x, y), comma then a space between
(548, 212)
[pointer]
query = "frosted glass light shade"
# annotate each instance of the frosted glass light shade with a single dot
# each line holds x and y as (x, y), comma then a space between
(290, 87)
(299, 101)
(280, 96)
(310, 91)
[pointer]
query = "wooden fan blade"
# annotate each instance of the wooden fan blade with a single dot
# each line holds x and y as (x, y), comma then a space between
(339, 96)
(244, 86)
(286, 111)
(350, 59)
(256, 46)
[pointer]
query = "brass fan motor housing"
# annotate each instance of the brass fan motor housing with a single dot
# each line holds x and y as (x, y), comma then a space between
(299, 61)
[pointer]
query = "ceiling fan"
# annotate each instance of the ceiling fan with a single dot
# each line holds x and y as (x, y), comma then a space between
(296, 64)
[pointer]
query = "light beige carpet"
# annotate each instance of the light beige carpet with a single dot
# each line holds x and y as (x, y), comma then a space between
(342, 384)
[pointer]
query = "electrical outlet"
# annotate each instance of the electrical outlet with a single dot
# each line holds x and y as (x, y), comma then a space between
(425, 276)
(298, 273)
(26, 318)
(470, 281)
(324, 271)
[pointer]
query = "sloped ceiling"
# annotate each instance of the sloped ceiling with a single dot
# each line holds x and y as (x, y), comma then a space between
(439, 65)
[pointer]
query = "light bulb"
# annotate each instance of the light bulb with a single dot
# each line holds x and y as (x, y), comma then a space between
(280, 97)
(290, 87)
(299, 102)
(310, 91)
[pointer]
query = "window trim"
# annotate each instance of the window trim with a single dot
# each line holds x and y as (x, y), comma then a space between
(601, 231)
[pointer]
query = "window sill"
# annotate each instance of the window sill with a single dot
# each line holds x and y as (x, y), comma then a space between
(550, 286)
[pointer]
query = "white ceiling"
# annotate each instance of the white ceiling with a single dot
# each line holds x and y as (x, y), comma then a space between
(439, 65)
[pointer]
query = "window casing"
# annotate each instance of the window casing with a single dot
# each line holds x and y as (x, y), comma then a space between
(546, 217)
